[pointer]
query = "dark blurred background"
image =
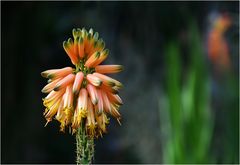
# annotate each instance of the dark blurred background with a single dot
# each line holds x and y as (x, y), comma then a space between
(160, 53)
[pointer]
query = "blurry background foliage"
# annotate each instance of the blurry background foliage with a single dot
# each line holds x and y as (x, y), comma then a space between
(179, 105)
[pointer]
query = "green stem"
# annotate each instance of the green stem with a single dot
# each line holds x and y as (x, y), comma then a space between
(85, 146)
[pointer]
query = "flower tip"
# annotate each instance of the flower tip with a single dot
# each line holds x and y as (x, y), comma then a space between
(91, 31)
(65, 44)
(44, 74)
(97, 55)
(95, 102)
(70, 41)
(75, 33)
(50, 76)
(43, 90)
(80, 40)
(121, 68)
(56, 88)
(95, 36)
(89, 36)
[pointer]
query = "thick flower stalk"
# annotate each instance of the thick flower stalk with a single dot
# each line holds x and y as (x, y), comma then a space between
(81, 98)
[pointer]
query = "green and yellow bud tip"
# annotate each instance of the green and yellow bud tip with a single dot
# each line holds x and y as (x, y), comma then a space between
(120, 68)
(119, 85)
(56, 88)
(84, 32)
(44, 90)
(44, 74)
(105, 52)
(95, 36)
(50, 76)
(70, 41)
(89, 36)
(97, 55)
(76, 33)
(80, 40)
(101, 43)
(111, 83)
(65, 45)
(114, 91)
(91, 31)
(95, 101)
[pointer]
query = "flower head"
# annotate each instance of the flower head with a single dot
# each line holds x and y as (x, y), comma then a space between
(83, 95)
(218, 47)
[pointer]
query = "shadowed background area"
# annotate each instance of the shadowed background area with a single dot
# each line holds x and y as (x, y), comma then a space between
(178, 99)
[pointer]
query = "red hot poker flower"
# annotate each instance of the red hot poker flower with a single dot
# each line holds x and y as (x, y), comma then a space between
(83, 95)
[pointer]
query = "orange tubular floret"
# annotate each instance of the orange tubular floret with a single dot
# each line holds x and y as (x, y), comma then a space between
(114, 98)
(89, 63)
(105, 79)
(102, 57)
(90, 119)
(80, 47)
(109, 68)
(64, 82)
(100, 102)
(94, 80)
(69, 48)
(49, 87)
(57, 73)
(109, 89)
(78, 82)
(106, 102)
(53, 95)
(115, 112)
(60, 114)
(68, 99)
(92, 93)
(82, 100)
(53, 110)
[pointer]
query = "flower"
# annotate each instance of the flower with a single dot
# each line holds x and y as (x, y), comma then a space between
(83, 95)
(218, 48)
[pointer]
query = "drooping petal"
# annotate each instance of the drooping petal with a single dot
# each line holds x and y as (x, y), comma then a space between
(98, 45)
(52, 97)
(80, 47)
(82, 100)
(68, 100)
(90, 119)
(106, 102)
(92, 60)
(64, 82)
(115, 112)
(81, 109)
(108, 89)
(57, 73)
(100, 102)
(53, 110)
(49, 87)
(105, 79)
(92, 93)
(94, 80)
(109, 68)
(114, 98)
(78, 82)
(102, 57)
(70, 50)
